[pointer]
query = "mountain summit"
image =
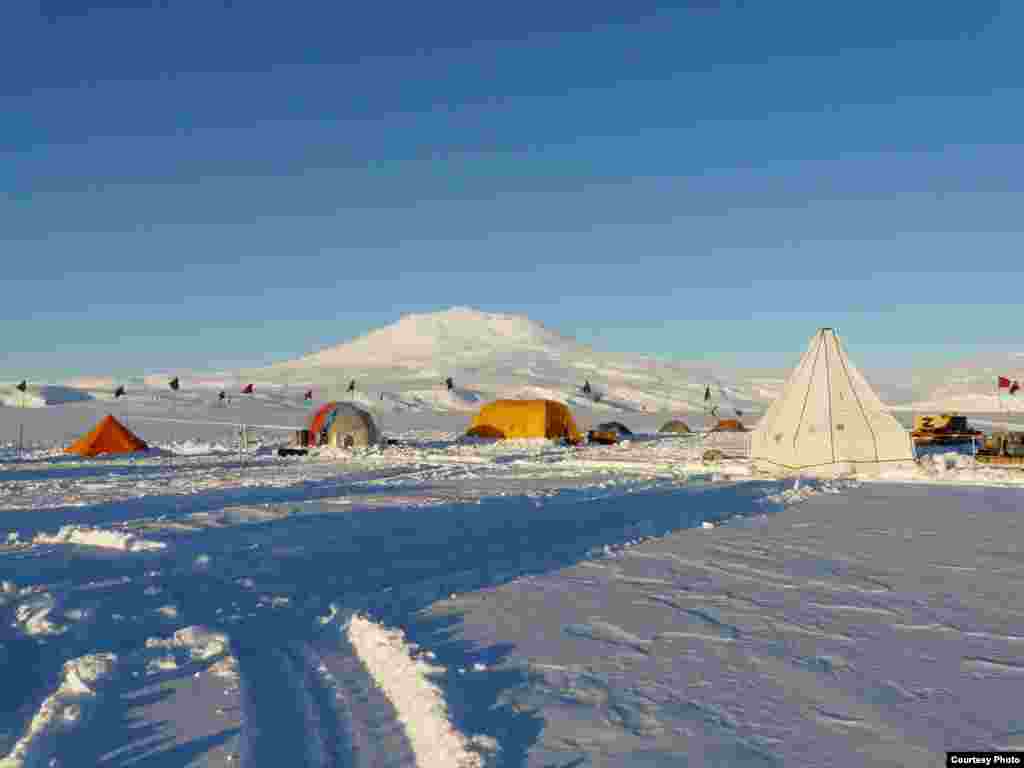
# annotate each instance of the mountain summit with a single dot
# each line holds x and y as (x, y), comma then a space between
(450, 337)
(498, 355)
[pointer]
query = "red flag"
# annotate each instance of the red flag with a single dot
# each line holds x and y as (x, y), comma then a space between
(1014, 387)
(247, 390)
(309, 395)
(1003, 382)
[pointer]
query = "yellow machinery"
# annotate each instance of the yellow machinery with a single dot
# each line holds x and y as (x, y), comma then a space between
(942, 428)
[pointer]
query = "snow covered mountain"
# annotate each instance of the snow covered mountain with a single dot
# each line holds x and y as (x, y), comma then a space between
(968, 386)
(490, 355)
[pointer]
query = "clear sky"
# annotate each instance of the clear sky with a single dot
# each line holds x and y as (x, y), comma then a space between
(202, 184)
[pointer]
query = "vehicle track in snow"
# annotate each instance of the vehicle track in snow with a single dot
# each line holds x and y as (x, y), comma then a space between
(288, 719)
(315, 706)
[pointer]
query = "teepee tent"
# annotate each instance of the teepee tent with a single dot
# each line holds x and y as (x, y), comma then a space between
(828, 420)
(109, 436)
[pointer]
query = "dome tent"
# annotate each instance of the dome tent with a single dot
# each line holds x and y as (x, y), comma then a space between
(342, 425)
(614, 426)
(828, 420)
(504, 419)
(676, 426)
(729, 425)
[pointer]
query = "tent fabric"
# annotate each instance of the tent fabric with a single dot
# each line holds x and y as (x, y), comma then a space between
(108, 436)
(523, 419)
(614, 426)
(730, 425)
(342, 425)
(827, 419)
(676, 426)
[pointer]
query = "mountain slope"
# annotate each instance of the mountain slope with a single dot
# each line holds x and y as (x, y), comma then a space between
(490, 355)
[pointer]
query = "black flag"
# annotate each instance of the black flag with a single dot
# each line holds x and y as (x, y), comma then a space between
(449, 383)
(309, 395)
(175, 384)
(23, 386)
(352, 386)
(118, 392)
(707, 393)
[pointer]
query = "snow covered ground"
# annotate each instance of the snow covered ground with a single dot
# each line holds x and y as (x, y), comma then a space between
(450, 601)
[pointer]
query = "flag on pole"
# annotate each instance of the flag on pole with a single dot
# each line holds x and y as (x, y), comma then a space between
(23, 386)
(1014, 387)
(119, 392)
(309, 395)
(247, 390)
(174, 384)
(1004, 383)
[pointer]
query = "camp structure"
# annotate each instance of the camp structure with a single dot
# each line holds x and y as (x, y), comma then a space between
(827, 419)
(108, 436)
(341, 425)
(614, 426)
(525, 418)
(729, 425)
(675, 426)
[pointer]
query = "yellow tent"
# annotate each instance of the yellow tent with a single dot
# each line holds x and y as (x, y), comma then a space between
(525, 418)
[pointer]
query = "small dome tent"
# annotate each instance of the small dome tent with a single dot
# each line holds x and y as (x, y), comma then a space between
(729, 425)
(675, 426)
(525, 418)
(342, 425)
(108, 436)
(614, 426)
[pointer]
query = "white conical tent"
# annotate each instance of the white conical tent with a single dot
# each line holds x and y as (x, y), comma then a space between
(828, 419)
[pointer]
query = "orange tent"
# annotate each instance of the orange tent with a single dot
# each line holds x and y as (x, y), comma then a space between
(109, 436)
(729, 425)
(525, 418)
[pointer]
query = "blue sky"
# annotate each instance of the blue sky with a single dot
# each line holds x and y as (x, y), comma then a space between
(199, 185)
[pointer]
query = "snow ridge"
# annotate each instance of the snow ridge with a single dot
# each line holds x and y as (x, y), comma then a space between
(418, 702)
(67, 708)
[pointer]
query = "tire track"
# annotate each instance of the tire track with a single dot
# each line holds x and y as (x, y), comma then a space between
(376, 737)
(288, 718)
(315, 706)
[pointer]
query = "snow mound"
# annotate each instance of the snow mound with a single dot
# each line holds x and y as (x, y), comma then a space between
(200, 643)
(418, 702)
(99, 537)
(34, 616)
(197, 448)
(67, 708)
